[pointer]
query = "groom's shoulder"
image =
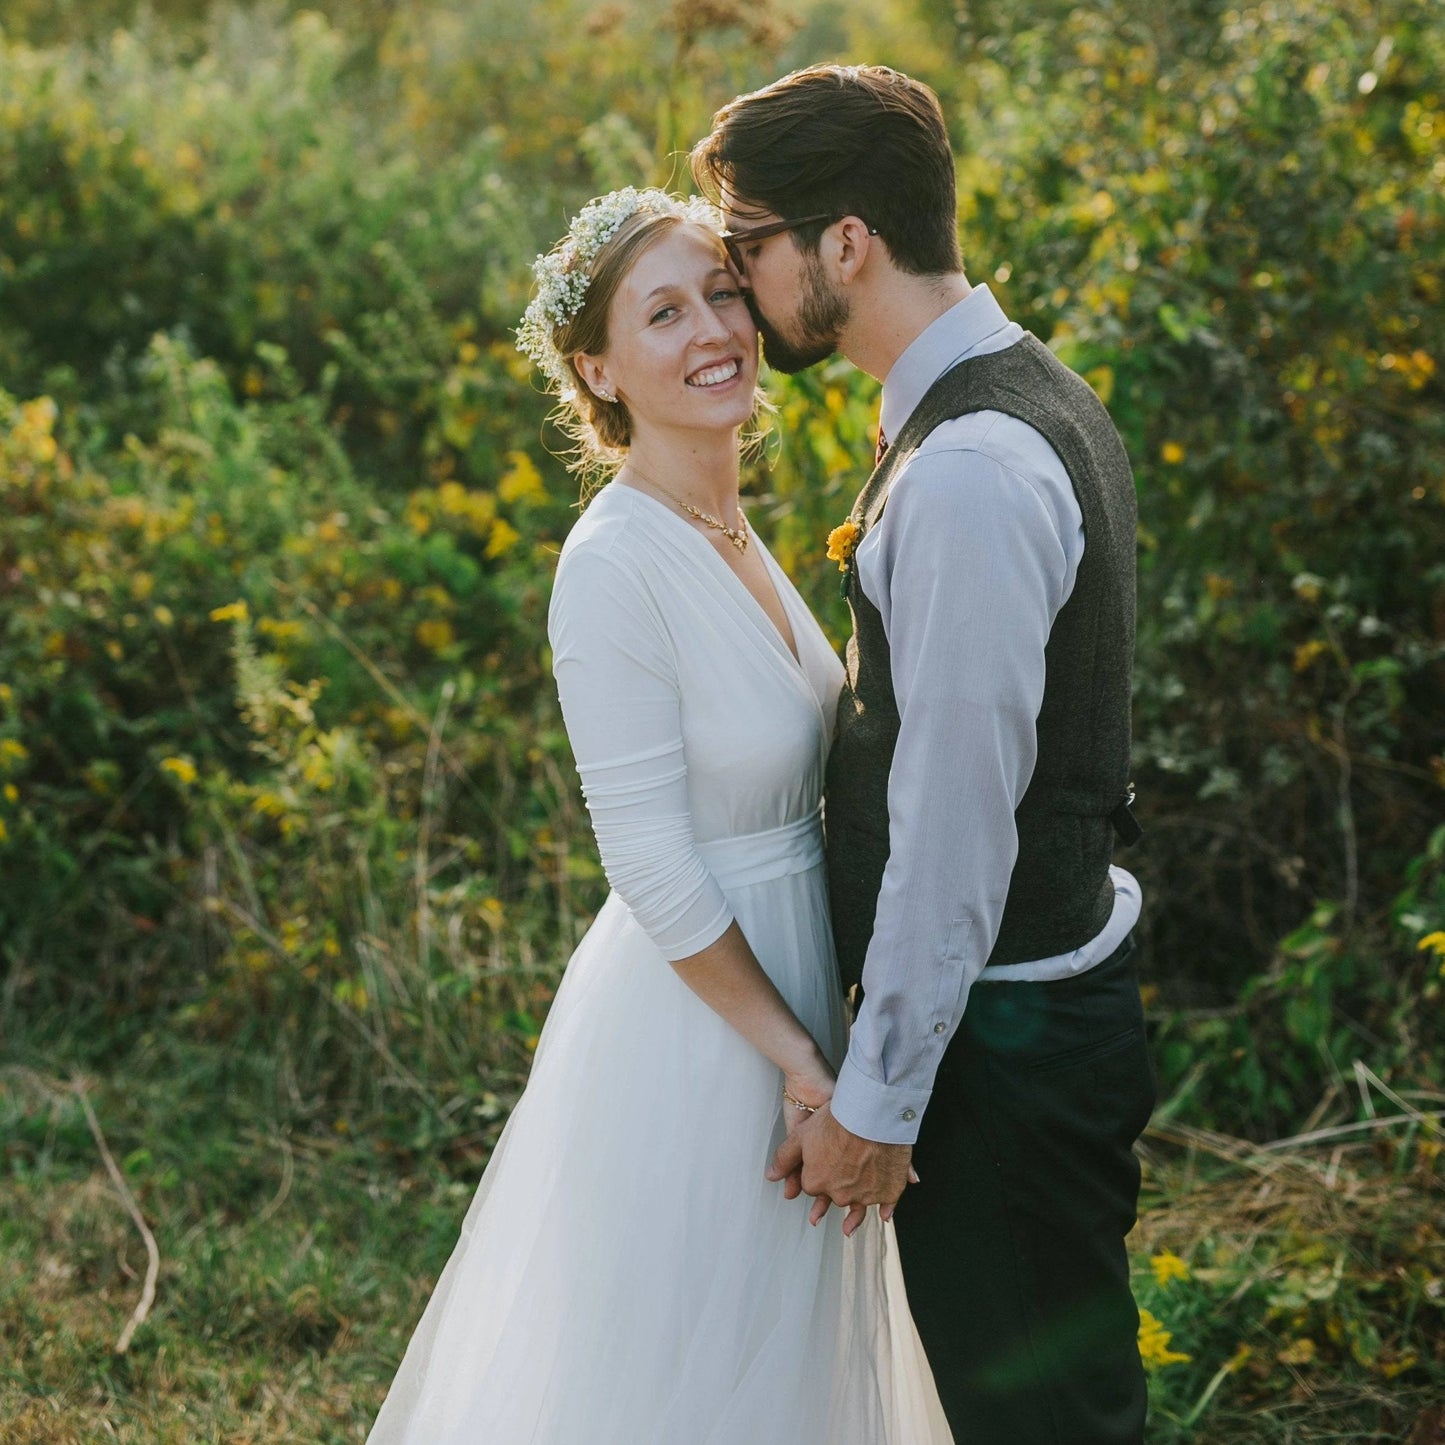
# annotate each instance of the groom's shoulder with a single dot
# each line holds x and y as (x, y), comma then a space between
(990, 443)
(986, 470)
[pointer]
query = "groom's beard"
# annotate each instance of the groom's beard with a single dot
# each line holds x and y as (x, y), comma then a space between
(822, 314)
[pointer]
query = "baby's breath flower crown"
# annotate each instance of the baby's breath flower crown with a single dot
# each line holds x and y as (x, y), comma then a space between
(565, 272)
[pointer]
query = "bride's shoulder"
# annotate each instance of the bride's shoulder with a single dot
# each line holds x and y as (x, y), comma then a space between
(603, 551)
(607, 525)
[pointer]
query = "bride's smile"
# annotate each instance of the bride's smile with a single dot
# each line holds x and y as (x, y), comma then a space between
(682, 349)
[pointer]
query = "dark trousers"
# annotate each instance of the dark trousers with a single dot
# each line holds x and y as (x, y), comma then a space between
(1013, 1244)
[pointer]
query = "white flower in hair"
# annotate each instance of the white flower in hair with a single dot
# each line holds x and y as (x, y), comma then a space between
(565, 272)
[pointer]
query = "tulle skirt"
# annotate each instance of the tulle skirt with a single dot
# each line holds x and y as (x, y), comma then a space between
(625, 1274)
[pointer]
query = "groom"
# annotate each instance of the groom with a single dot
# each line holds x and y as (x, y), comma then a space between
(979, 774)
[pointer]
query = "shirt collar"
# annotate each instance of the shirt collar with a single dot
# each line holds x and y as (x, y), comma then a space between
(962, 331)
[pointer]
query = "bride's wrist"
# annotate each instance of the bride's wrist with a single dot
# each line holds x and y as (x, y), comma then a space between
(811, 1083)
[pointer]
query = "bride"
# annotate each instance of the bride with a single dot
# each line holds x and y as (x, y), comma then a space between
(626, 1275)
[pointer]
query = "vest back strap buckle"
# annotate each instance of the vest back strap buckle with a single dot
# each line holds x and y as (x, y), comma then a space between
(1126, 825)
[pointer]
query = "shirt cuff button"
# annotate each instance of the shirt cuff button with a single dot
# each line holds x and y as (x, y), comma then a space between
(908, 1116)
(940, 1028)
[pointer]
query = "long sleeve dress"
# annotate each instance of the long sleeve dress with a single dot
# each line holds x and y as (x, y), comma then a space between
(625, 1274)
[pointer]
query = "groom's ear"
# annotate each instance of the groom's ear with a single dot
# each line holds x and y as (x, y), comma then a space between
(850, 241)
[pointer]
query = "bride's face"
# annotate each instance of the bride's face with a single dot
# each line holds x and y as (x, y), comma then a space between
(682, 349)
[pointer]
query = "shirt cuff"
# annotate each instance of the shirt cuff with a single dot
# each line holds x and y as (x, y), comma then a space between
(884, 1113)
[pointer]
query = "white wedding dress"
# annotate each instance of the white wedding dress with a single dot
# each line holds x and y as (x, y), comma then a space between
(626, 1275)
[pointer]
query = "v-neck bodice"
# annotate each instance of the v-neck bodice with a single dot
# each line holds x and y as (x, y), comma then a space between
(658, 645)
(781, 584)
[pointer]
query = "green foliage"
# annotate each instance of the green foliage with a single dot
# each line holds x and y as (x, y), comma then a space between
(286, 810)
(1232, 227)
(1239, 242)
(1288, 1299)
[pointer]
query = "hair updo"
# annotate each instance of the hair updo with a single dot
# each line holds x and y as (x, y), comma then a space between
(601, 430)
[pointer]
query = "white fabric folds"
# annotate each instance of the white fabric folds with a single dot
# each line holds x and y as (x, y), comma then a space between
(626, 1275)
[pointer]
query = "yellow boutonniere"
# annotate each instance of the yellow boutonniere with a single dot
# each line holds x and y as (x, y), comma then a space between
(841, 543)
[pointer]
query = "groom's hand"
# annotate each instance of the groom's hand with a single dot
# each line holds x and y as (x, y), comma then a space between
(821, 1158)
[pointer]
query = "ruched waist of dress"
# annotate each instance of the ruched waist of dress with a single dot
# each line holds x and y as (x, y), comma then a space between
(757, 857)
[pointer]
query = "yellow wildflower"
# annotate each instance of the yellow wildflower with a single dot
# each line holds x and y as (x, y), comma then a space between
(39, 415)
(1298, 1352)
(12, 750)
(1435, 942)
(164, 615)
(1390, 1368)
(523, 480)
(1307, 652)
(183, 770)
(504, 537)
(1167, 1267)
(12, 793)
(435, 633)
(842, 541)
(1171, 453)
(231, 612)
(1154, 1344)
(4, 831)
(282, 629)
(1101, 378)
(129, 512)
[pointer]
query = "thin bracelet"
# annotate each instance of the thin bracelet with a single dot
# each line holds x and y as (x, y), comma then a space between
(799, 1104)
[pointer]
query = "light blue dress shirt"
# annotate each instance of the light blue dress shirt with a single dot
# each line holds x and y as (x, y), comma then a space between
(974, 555)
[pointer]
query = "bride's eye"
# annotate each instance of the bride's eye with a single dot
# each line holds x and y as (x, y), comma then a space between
(726, 293)
(663, 313)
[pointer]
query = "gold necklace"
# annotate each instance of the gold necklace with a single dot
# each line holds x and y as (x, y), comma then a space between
(738, 535)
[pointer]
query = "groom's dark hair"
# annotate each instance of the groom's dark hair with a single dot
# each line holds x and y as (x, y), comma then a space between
(842, 140)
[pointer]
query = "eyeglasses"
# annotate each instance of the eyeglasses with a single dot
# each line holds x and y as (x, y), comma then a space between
(736, 240)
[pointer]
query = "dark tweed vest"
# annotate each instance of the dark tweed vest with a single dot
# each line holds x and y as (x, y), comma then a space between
(1059, 894)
